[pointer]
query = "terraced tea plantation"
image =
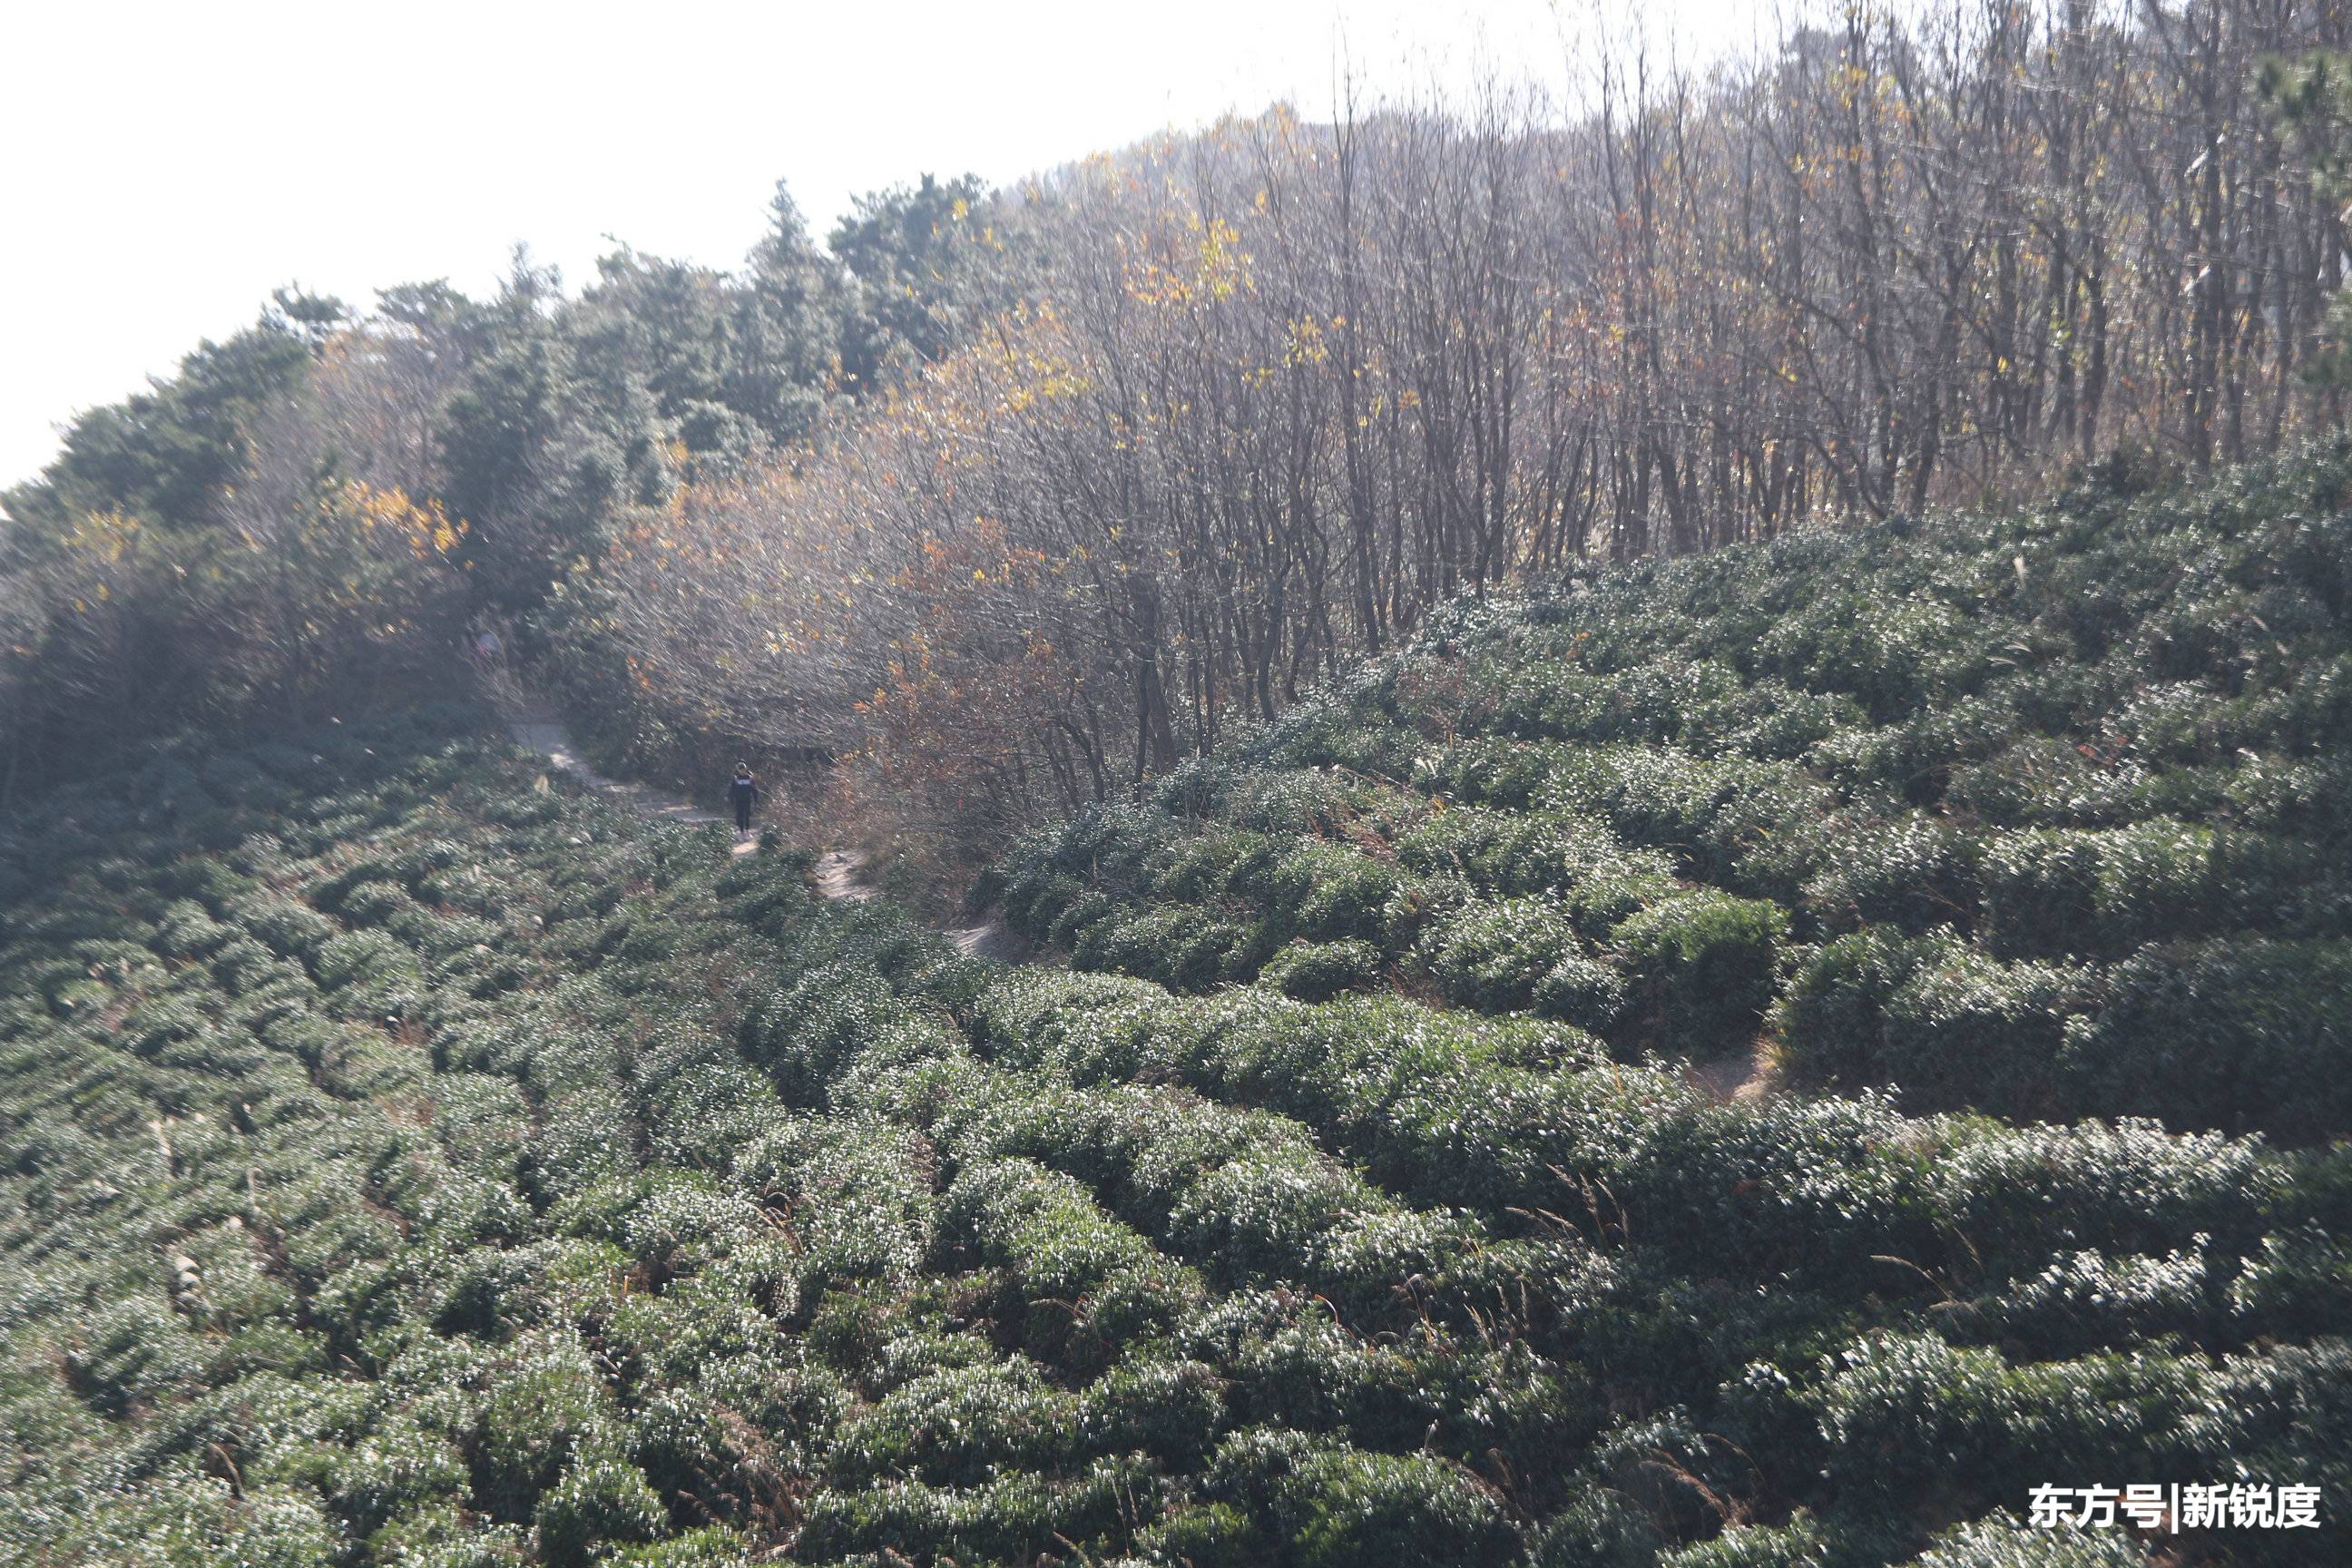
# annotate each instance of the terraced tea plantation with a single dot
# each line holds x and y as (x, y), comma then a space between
(2048, 816)
(403, 1165)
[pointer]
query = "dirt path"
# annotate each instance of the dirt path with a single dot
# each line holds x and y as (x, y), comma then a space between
(836, 875)
(1741, 1080)
(536, 728)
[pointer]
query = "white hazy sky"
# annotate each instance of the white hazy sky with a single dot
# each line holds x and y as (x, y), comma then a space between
(163, 167)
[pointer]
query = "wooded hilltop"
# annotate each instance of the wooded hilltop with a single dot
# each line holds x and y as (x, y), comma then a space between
(1024, 495)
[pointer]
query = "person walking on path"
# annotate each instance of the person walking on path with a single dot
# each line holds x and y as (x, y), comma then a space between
(742, 790)
(486, 650)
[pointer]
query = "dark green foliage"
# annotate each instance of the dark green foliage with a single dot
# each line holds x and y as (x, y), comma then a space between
(2002, 1540)
(1335, 1505)
(1603, 1528)
(2246, 1031)
(168, 569)
(1318, 971)
(1583, 992)
(1328, 892)
(163, 453)
(2041, 891)
(331, 1259)
(1914, 872)
(2090, 1300)
(2300, 1285)
(2029, 846)
(1493, 957)
(1949, 1023)
(1707, 964)
(1182, 946)
(2228, 1032)
(931, 265)
(601, 1499)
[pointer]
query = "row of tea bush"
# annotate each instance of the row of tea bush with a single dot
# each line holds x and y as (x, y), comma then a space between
(2047, 813)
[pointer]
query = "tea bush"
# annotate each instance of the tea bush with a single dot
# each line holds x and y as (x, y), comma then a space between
(1493, 955)
(1326, 892)
(1950, 1025)
(2232, 1033)
(1707, 964)
(1334, 1504)
(1318, 971)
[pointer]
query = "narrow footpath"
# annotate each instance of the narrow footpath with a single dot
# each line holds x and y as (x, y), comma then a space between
(536, 728)
(838, 873)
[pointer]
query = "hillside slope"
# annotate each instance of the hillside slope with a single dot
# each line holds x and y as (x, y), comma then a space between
(401, 1165)
(2045, 813)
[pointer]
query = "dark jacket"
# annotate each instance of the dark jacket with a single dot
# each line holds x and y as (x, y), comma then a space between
(742, 791)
